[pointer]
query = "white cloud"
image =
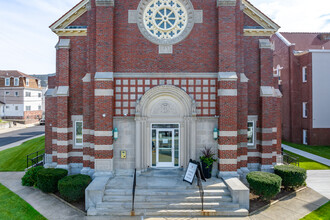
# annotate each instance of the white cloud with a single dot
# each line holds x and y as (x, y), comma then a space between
(26, 42)
(297, 15)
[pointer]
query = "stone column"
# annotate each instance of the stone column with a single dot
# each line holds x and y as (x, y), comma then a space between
(242, 125)
(63, 60)
(227, 141)
(268, 103)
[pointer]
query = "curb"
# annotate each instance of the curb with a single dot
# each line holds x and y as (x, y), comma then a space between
(276, 201)
(65, 202)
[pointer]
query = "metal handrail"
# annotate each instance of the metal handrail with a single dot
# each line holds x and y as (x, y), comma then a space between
(289, 159)
(35, 160)
(133, 193)
(200, 186)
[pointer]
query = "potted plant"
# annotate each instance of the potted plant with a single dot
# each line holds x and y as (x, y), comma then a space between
(207, 160)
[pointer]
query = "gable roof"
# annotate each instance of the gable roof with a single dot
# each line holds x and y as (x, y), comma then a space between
(308, 41)
(60, 26)
(14, 73)
(269, 26)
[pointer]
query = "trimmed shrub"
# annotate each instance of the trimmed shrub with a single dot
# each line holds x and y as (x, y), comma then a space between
(48, 179)
(266, 185)
(72, 188)
(30, 177)
(291, 175)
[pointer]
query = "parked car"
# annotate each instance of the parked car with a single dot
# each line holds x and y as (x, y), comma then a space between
(42, 121)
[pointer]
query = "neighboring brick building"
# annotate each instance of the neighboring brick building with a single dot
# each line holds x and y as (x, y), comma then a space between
(21, 95)
(302, 60)
(164, 74)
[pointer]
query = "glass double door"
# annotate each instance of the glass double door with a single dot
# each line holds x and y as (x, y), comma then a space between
(165, 143)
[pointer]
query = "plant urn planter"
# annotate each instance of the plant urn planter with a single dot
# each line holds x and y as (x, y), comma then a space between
(207, 170)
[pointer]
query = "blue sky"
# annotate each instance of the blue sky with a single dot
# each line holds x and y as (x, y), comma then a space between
(27, 44)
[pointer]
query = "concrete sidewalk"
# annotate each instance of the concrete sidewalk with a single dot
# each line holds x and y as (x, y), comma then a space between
(319, 180)
(307, 155)
(293, 207)
(47, 205)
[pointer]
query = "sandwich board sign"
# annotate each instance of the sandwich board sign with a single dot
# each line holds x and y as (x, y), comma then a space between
(191, 171)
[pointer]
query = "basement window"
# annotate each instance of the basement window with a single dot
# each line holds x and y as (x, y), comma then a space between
(305, 137)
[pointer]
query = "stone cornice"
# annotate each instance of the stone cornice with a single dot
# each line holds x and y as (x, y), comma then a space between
(105, 2)
(259, 32)
(226, 3)
(71, 32)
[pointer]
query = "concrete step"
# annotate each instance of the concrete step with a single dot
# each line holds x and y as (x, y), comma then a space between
(115, 206)
(197, 212)
(168, 192)
(171, 213)
(167, 198)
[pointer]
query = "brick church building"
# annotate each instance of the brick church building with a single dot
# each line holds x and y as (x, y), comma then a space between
(148, 83)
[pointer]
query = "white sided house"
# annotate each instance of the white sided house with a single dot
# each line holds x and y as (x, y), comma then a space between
(21, 96)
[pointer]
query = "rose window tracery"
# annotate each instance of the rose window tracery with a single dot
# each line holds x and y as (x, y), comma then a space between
(165, 19)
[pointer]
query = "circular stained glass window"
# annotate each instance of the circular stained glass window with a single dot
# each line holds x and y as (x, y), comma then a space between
(165, 19)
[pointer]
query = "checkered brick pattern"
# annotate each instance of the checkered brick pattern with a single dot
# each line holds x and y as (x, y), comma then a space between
(128, 90)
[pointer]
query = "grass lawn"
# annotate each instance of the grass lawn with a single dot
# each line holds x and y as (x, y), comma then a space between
(319, 214)
(308, 164)
(14, 159)
(322, 151)
(14, 207)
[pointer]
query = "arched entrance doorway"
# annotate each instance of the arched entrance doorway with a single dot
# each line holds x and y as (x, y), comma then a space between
(165, 128)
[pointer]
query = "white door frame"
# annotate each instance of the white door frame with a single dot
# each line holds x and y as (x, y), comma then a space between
(164, 164)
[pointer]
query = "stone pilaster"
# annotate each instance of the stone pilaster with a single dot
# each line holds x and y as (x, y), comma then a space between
(227, 141)
(63, 62)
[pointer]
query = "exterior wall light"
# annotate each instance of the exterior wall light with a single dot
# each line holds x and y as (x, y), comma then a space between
(115, 134)
(215, 133)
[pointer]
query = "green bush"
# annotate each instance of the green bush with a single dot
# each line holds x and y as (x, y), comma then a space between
(48, 179)
(72, 188)
(30, 177)
(266, 185)
(291, 175)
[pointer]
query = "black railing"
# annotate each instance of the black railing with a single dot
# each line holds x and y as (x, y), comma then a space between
(133, 193)
(290, 159)
(35, 159)
(200, 186)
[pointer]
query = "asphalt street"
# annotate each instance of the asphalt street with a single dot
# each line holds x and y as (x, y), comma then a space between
(18, 135)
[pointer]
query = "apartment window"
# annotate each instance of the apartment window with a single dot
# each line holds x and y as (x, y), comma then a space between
(16, 81)
(304, 109)
(39, 94)
(305, 137)
(304, 74)
(39, 107)
(78, 132)
(7, 106)
(27, 82)
(39, 83)
(28, 94)
(16, 108)
(16, 94)
(7, 82)
(28, 108)
(7, 93)
(250, 133)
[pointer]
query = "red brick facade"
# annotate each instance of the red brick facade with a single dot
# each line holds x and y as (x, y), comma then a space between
(102, 76)
(293, 52)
